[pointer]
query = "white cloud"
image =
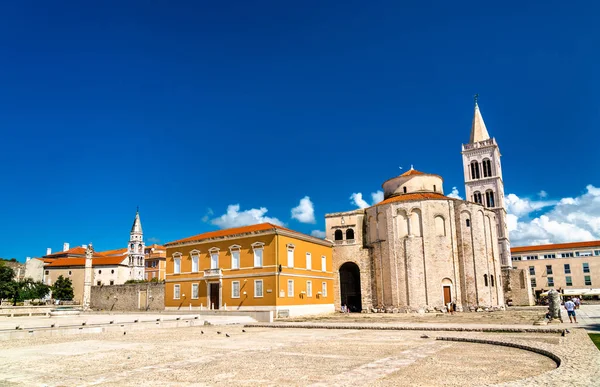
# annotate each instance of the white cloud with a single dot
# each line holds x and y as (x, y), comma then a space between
(568, 220)
(305, 211)
(209, 213)
(358, 201)
(543, 194)
(235, 218)
(318, 234)
(454, 194)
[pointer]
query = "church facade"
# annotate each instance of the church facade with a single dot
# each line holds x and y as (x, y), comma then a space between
(419, 249)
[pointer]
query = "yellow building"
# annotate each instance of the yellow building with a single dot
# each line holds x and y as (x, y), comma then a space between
(258, 267)
(156, 263)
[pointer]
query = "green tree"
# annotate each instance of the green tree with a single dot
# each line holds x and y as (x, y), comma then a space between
(62, 289)
(7, 283)
(31, 290)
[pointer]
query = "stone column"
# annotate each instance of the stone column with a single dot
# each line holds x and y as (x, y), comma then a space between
(87, 278)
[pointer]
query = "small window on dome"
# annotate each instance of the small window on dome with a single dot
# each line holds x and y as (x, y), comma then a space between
(434, 188)
(404, 188)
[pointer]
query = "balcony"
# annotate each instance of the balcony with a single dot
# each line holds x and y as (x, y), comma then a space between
(480, 144)
(213, 273)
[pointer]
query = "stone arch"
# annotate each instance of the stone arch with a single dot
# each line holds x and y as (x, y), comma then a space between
(416, 222)
(338, 235)
(349, 234)
(402, 223)
(440, 225)
(350, 293)
(465, 218)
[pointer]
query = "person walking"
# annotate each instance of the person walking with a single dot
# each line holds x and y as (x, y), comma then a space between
(570, 307)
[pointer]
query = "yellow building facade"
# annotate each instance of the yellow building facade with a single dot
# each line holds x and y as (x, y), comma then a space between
(258, 267)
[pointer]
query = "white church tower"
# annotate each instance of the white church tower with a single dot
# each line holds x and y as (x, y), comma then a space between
(483, 179)
(136, 249)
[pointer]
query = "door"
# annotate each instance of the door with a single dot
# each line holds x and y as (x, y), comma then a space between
(143, 299)
(214, 295)
(447, 295)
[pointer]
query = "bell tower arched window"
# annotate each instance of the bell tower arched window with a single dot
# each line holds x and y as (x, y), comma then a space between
(475, 170)
(489, 199)
(487, 168)
(339, 235)
(349, 234)
(477, 197)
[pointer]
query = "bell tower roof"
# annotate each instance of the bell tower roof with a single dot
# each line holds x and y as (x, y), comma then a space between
(478, 130)
(137, 224)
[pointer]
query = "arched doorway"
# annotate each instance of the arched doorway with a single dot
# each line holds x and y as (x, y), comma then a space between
(350, 286)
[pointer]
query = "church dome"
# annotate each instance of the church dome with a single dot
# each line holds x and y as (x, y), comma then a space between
(411, 182)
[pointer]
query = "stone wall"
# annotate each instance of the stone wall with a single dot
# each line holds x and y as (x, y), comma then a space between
(517, 287)
(130, 297)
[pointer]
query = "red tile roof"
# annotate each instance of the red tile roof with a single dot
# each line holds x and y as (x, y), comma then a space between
(99, 261)
(73, 251)
(112, 252)
(556, 246)
(414, 196)
(156, 246)
(412, 172)
(233, 231)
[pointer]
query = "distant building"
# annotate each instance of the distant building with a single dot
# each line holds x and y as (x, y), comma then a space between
(571, 267)
(156, 263)
(259, 267)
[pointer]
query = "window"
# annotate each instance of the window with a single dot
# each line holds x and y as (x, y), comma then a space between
(69, 272)
(308, 288)
(350, 234)
(596, 252)
(533, 283)
(47, 272)
(112, 282)
(404, 189)
(235, 257)
(258, 288)
(548, 269)
(112, 272)
(531, 257)
(324, 289)
(567, 268)
(531, 270)
(487, 168)
(258, 248)
(338, 235)
(323, 263)
(290, 255)
(290, 288)
(477, 197)
(235, 289)
(550, 281)
(176, 265)
(195, 291)
(474, 170)
(588, 280)
(308, 261)
(99, 283)
(99, 271)
(485, 280)
(434, 188)
(176, 292)
(549, 256)
(566, 255)
(569, 280)
(586, 267)
(468, 223)
(195, 263)
(489, 199)
(583, 253)
(214, 260)
(517, 258)
(492, 280)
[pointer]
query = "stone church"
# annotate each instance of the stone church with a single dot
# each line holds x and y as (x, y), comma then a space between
(419, 249)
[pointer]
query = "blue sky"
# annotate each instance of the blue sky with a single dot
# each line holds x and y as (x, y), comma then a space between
(186, 108)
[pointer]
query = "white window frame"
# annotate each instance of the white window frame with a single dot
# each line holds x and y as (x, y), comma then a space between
(177, 263)
(324, 289)
(290, 257)
(323, 263)
(176, 292)
(235, 251)
(195, 255)
(309, 289)
(308, 261)
(197, 287)
(262, 289)
(233, 295)
(214, 257)
(290, 282)
(258, 257)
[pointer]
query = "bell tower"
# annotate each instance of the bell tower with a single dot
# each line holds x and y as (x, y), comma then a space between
(135, 250)
(483, 179)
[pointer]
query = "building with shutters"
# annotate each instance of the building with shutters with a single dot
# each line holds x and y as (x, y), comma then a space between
(258, 267)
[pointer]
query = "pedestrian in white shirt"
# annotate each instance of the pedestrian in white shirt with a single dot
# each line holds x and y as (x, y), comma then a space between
(570, 307)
